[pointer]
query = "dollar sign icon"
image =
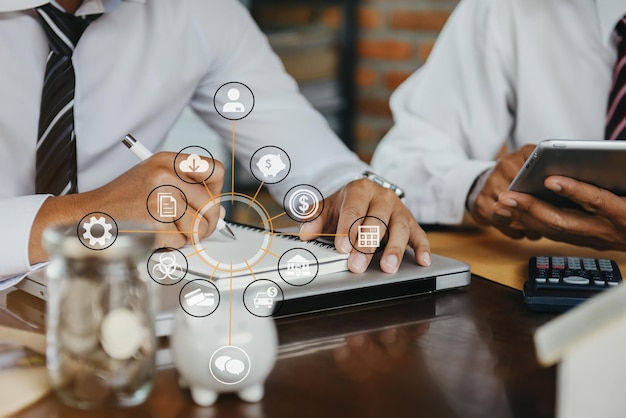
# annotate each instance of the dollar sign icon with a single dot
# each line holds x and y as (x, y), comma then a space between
(304, 206)
(272, 291)
(268, 163)
(302, 203)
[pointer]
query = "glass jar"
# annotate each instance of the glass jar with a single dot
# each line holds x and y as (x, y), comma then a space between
(100, 319)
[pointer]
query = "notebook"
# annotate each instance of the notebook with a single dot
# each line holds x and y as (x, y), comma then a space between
(257, 251)
(329, 291)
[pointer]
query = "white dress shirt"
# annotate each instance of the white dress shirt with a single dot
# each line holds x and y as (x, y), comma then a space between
(509, 72)
(137, 67)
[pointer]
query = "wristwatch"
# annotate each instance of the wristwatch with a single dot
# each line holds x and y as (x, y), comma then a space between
(383, 183)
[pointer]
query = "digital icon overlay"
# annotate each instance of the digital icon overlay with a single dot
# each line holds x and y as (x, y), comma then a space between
(270, 164)
(194, 164)
(368, 234)
(230, 365)
(233, 106)
(233, 100)
(303, 203)
(167, 266)
(199, 298)
(263, 297)
(166, 204)
(97, 231)
(298, 266)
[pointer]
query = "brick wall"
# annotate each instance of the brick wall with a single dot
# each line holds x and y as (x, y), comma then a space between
(395, 38)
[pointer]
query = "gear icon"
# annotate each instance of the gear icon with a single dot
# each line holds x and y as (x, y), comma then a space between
(106, 234)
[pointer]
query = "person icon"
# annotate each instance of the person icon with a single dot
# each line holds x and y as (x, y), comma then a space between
(233, 106)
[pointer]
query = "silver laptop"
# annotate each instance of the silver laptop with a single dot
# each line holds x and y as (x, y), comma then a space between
(326, 292)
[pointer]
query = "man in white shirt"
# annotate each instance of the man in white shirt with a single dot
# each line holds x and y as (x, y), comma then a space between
(507, 73)
(137, 67)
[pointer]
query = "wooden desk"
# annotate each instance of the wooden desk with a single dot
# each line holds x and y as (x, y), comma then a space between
(463, 353)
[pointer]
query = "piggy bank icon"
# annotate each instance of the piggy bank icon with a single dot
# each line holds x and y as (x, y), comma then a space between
(214, 354)
(271, 165)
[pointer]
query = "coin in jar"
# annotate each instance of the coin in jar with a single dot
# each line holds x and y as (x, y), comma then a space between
(122, 333)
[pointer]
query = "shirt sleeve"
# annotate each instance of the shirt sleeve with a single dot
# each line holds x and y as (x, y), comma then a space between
(17, 215)
(453, 115)
(281, 117)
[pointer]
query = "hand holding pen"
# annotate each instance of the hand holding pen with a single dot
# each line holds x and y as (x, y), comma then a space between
(142, 153)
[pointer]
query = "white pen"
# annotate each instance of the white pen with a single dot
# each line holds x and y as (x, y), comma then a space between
(143, 153)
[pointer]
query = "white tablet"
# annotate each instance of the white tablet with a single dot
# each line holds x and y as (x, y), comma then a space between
(601, 163)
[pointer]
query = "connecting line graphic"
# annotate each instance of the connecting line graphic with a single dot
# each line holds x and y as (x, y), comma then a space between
(297, 234)
(270, 253)
(214, 270)
(152, 231)
(208, 191)
(232, 165)
(256, 194)
(230, 307)
(250, 269)
(274, 217)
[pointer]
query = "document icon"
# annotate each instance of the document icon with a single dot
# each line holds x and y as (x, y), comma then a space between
(167, 205)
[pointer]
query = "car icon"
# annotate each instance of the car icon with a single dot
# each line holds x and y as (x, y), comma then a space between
(262, 299)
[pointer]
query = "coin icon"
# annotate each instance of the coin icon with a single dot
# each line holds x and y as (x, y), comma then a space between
(272, 291)
(303, 203)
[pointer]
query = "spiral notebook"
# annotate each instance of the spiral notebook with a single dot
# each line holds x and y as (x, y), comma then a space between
(258, 252)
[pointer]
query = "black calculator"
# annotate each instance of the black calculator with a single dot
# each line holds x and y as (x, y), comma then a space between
(557, 283)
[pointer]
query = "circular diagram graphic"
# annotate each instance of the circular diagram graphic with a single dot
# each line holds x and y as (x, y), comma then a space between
(263, 297)
(227, 255)
(194, 161)
(230, 365)
(233, 100)
(199, 298)
(303, 203)
(167, 266)
(270, 164)
(166, 204)
(298, 266)
(97, 230)
(368, 234)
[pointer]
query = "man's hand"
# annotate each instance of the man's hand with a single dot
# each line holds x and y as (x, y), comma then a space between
(126, 199)
(362, 198)
(498, 181)
(602, 224)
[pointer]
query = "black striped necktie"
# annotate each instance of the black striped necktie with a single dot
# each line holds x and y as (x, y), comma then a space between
(56, 170)
(616, 108)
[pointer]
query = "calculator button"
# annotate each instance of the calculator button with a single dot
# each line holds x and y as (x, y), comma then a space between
(575, 280)
(605, 265)
(599, 282)
(589, 264)
(540, 279)
(542, 263)
(573, 263)
(553, 279)
(612, 283)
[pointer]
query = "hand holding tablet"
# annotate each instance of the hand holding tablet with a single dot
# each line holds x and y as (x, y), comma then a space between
(599, 163)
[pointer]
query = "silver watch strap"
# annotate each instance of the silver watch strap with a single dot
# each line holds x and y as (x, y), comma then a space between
(383, 183)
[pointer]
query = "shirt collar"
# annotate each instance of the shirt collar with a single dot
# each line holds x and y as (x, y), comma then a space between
(609, 13)
(88, 6)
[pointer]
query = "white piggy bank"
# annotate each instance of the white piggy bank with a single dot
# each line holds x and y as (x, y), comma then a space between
(226, 351)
